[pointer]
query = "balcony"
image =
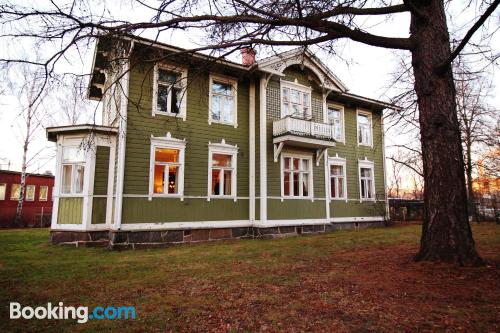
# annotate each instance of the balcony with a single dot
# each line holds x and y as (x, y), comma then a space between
(302, 133)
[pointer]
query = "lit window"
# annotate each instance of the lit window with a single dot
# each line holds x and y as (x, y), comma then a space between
(366, 181)
(336, 119)
(166, 171)
(223, 103)
(222, 172)
(364, 128)
(44, 191)
(73, 170)
(295, 100)
(296, 177)
(169, 93)
(30, 193)
(3, 189)
(15, 191)
(337, 179)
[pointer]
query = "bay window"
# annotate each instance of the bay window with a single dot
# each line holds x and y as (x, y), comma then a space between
(296, 176)
(73, 170)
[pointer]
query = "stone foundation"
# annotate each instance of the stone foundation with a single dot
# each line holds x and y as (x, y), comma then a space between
(123, 240)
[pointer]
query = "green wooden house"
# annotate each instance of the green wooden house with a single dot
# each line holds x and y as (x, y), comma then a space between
(195, 148)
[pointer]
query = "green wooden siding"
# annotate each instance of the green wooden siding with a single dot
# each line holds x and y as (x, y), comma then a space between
(70, 211)
(101, 170)
(198, 133)
(99, 210)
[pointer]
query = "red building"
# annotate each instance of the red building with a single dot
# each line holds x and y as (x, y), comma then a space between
(37, 206)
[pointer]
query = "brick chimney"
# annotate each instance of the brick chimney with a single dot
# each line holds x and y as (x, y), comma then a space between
(248, 56)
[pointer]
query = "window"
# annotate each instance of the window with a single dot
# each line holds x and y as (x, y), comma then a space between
(73, 170)
(169, 95)
(223, 100)
(296, 176)
(295, 100)
(166, 174)
(44, 191)
(3, 189)
(222, 170)
(30, 193)
(337, 168)
(335, 117)
(167, 166)
(364, 128)
(15, 191)
(366, 180)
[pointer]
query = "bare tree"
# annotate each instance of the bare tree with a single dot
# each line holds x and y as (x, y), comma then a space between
(234, 24)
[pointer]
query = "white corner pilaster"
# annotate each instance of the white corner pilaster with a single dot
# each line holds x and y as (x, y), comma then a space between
(251, 134)
(263, 150)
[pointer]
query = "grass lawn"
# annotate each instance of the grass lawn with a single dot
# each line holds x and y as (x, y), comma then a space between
(346, 281)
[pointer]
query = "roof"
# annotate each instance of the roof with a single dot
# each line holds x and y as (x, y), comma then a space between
(53, 132)
(28, 174)
(273, 65)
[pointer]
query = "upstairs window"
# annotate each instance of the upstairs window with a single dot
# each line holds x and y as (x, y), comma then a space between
(15, 191)
(366, 181)
(295, 100)
(73, 170)
(223, 100)
(169, 93)
(364, 128)
(335, 117)
(296, 177)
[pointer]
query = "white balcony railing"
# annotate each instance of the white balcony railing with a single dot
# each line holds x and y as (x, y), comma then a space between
(303, 127)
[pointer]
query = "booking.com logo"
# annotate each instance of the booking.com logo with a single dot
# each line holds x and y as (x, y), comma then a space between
(81, 313)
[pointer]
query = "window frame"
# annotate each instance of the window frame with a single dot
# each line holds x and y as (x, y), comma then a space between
(4, 185)
(234, 88)
(26, 192)
(366, 164)
(167, 142)
(310, 174)
(370, 127)
(342, 119)
(303, 89)
(12, 198)
(338, 161)
(83, 163)
(224, 149)
(183, 72)
(40, 193)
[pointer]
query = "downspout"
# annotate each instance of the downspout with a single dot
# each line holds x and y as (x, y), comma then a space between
(263, 151)
(251, 140)
(387, 217)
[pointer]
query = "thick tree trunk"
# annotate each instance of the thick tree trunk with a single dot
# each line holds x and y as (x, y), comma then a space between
(446, 233)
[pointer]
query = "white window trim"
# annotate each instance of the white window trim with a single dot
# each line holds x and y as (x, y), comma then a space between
(370, 118)
(343, 163)
(4, 191)
(234, 83)
(226, 149)
(369, 165)
(282, 179)
(40, 192)
(296, 86)
(169, 143)
(183, 83)
(342, 117)
(26, 192)
(73, 172)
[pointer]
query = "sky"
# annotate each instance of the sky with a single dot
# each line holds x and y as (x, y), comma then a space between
(365, 70)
